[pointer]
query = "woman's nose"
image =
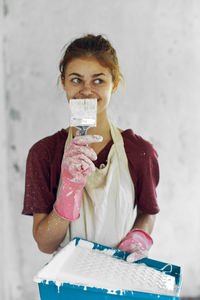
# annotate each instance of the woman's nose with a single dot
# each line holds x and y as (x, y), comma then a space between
(86, 90)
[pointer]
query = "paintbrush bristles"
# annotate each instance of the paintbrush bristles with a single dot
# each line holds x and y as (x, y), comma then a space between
(83, 112)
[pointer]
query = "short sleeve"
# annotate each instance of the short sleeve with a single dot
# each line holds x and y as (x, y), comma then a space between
(38, 197)
(148, 178)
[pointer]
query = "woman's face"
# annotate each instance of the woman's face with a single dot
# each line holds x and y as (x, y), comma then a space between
(87, 78)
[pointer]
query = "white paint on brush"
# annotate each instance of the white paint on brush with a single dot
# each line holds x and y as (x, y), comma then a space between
(83, 112)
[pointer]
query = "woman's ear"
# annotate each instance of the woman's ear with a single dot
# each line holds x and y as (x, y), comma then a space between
(63, 83)
(115, 86)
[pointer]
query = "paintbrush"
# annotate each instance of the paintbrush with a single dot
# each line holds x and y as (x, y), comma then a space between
(83, 114)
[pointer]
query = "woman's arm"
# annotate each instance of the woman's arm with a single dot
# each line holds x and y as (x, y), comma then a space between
(144, 221)
(49, 231)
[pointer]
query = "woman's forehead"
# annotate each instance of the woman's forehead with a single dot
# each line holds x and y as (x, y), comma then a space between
(89, 65)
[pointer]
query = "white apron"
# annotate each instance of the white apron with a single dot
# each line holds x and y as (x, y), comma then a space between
(107, 208)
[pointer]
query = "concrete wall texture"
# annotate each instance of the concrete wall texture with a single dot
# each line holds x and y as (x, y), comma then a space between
(158, 47)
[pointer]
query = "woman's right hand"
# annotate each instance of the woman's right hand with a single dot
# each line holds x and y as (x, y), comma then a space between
(77, 160)
(76, 166)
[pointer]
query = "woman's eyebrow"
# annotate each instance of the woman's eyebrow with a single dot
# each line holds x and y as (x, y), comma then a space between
(76, 74)
(99, 74)
(79, 75)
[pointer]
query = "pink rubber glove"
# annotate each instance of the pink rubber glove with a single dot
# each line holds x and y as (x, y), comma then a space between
(76, 166)
(138, 243)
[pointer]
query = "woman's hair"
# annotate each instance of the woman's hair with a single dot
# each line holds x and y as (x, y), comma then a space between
(92, 46)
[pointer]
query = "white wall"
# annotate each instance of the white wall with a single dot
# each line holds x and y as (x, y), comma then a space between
(158, 47)
(3, 181)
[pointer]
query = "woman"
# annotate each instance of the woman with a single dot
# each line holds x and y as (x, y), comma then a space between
(88, 186)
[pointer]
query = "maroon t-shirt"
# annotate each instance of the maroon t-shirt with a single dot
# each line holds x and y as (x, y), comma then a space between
(43, 168)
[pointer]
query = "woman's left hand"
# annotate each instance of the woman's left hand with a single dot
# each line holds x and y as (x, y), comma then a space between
(138, 243)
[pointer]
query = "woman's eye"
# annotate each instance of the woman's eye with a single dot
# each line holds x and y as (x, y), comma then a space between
(76, 80)
(98, 81)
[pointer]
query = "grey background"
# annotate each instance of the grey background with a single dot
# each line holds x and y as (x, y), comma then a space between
(158, 46)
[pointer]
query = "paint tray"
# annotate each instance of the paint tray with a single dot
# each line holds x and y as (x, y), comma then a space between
(87, 270)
